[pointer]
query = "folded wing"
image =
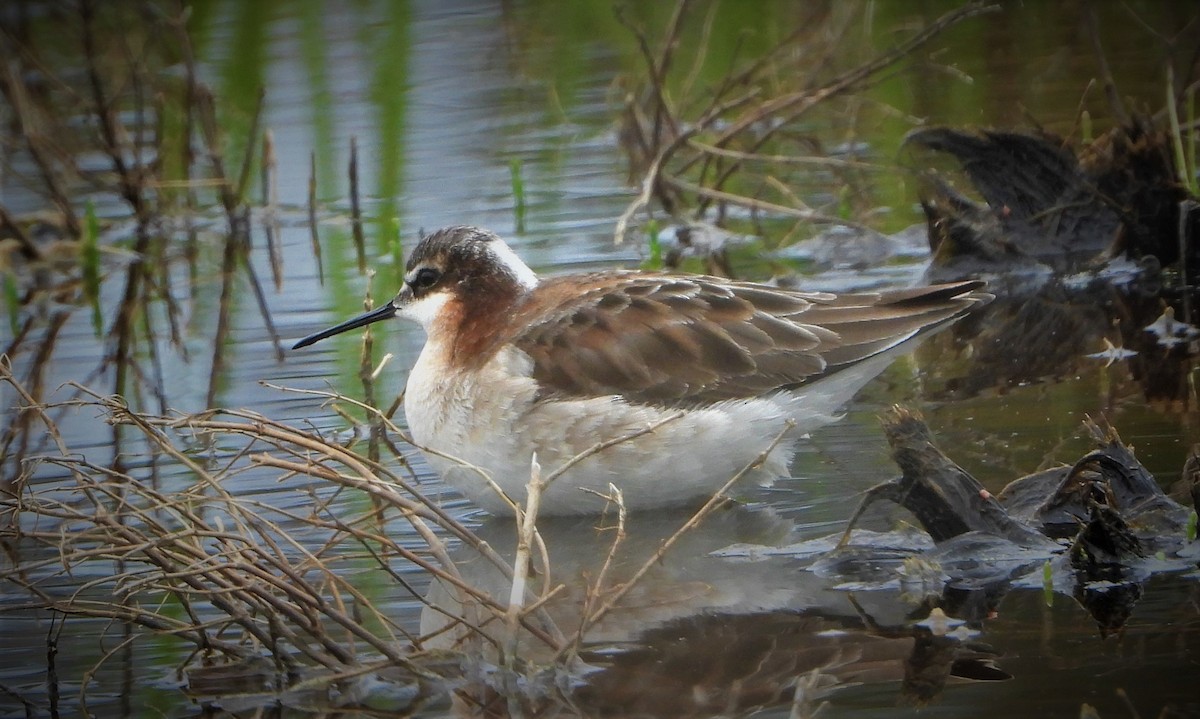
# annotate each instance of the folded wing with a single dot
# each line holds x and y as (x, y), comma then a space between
(667, 339)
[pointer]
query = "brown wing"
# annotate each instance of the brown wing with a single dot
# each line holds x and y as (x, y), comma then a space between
(683, 339)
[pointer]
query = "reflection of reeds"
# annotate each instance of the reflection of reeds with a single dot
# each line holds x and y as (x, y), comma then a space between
(312, 216)
(270, 201)
(165, 151)
(360, 243)
(213, 551)
(89, 261)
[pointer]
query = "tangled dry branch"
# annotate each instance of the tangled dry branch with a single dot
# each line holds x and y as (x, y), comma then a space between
(695, 149)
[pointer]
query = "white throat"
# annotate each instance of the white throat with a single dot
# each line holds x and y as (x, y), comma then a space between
(424, 310)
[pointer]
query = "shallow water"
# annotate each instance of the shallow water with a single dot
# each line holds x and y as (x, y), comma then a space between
(442, 99)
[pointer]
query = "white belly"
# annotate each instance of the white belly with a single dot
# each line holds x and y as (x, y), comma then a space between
(490, 419)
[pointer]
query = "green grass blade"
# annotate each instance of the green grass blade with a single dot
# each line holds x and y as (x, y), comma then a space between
(1181, 162)
(518, 191)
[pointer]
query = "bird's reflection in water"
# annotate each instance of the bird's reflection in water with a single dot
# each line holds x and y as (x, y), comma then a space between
(700, 633)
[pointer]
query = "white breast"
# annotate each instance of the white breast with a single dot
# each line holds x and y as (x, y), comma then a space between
(491, 418)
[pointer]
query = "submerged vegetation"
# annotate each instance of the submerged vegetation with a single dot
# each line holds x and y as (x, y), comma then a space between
(134, 166)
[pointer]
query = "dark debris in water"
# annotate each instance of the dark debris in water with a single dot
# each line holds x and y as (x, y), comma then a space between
(944, 497)
(1048, 206)
(1102, 526)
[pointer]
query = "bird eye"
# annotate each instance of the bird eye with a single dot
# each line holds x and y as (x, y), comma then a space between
(426, 277)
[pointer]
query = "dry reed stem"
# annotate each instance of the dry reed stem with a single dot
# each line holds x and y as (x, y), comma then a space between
(751, 203)
(86, 679)
(260, 297)
(658, 131)
(252, 572)
(659, 65)
(445, 574)
(596, 588)
(314, 230)
(255, 576)
(37, 142)
(270, 200)
(221, 584)
(239, 192)
(366, 375)
(790, 107)
(188, 159)
(10, 227)
(366, 477)
(112, 132)
(648, 186)
(360, 244)
(696, 519)
(224, 311)
(527, 528)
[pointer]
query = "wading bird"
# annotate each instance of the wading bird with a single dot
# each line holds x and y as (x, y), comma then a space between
(687, 378)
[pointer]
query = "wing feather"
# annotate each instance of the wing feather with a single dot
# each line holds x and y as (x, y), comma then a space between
(667, 339)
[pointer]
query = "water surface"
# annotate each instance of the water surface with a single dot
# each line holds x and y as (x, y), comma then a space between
(443, 101)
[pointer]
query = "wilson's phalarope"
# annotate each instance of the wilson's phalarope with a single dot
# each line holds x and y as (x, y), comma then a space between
(515, 364)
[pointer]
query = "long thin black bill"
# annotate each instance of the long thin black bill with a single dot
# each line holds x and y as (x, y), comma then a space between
(386, 312)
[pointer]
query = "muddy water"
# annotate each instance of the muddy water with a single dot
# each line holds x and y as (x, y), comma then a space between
(443, 101)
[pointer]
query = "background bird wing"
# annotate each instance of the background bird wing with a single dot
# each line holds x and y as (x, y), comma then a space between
(681, 339)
